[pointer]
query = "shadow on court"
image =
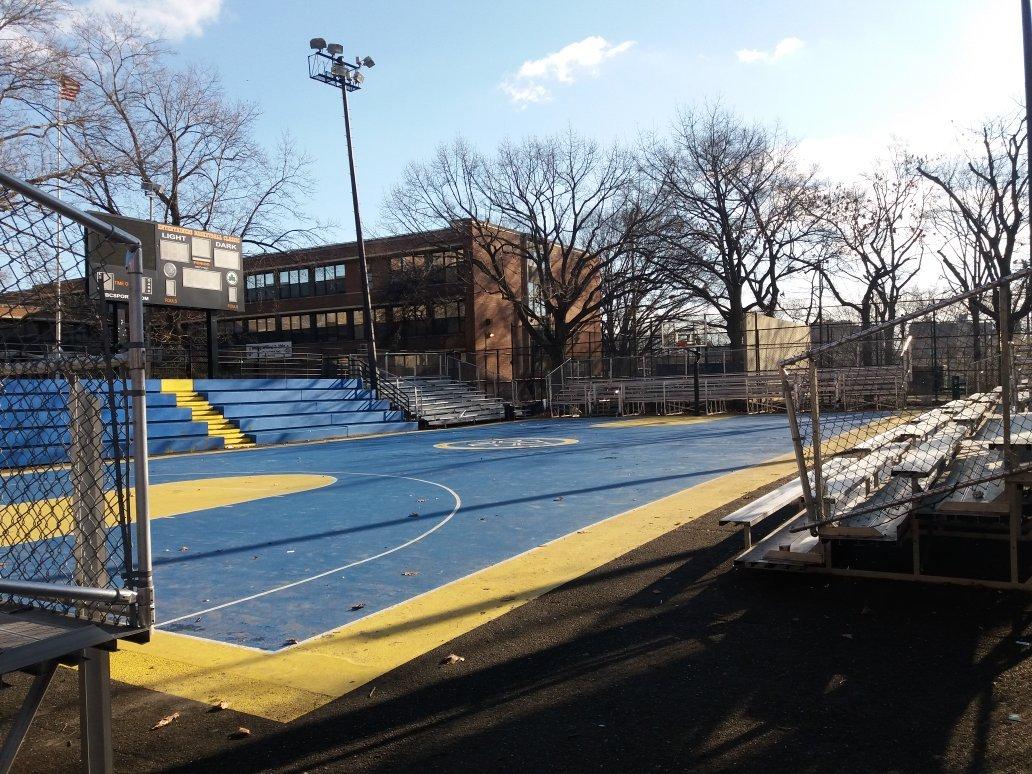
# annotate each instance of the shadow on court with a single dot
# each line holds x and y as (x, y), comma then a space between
(664, 660)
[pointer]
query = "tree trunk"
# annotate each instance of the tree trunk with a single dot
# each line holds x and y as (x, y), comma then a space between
(976, 331)
(866, 345)
(736, 334)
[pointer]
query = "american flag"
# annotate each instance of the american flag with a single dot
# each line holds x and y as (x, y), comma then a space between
(69, 88)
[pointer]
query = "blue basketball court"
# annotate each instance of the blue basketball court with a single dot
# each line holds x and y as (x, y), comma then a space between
(393, 517)
(289, 576)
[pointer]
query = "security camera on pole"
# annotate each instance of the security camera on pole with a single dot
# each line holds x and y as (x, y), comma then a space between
(327, 65)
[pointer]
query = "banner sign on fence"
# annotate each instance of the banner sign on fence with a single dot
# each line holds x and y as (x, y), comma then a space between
(270, 350)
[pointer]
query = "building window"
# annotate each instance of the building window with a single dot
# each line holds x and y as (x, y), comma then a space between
(331, 326)
(329, 279)
(294, 283)
(330, 319)
(261, 325)
(260, 287)
(449, 263)
(534, 297)
(434, 268)
(295, 322)
(447, 317)
(411, 320)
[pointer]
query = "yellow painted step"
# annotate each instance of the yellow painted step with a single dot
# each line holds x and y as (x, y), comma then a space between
(202, 411)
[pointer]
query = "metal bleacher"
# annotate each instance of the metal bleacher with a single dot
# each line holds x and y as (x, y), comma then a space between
(442, 402)
(905, 489)
(756, 391)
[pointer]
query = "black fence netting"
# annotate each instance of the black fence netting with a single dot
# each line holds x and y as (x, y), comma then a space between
(65, 462)
(877, 441)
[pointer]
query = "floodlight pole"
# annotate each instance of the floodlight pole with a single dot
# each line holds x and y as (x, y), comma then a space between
(330, 67)
(363, 264)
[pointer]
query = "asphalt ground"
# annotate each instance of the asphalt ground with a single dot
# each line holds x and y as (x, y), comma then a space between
(666, 659)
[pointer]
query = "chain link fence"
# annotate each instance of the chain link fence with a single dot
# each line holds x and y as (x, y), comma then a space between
(877, 445)
(73, 457)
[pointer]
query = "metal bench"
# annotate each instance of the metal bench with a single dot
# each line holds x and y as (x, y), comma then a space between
(748, 516)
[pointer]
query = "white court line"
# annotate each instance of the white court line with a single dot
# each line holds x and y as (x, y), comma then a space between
(285, 586)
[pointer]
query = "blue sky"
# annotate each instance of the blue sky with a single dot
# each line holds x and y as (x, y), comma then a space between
(841, 77)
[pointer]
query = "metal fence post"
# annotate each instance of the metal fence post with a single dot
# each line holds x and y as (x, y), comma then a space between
(818, 482)
(1005, 373)
(695, 385)
(88, 506)
(138, 393)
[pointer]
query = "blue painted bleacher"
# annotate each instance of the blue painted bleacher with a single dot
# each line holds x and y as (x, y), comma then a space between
(34, 416)
(289, 410)
(170, 428)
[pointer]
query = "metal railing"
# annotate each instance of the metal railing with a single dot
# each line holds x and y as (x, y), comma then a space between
(237, 362)
(388, 385)
(428, 365)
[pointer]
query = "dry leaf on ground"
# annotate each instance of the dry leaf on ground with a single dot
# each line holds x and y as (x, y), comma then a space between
(168, 719)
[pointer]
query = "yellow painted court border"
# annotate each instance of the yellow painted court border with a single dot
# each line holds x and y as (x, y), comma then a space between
(668, 420)
(292, 682)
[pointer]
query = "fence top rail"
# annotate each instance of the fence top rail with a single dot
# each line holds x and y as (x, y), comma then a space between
(867, 332)
(72, 213)
(60, 363)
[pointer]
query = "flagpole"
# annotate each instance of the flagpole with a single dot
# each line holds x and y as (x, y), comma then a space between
(60, 225)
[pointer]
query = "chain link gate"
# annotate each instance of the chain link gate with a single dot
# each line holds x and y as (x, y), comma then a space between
(75, 556)
(884, 458)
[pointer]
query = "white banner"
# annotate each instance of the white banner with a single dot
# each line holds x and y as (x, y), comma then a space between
(271, 349)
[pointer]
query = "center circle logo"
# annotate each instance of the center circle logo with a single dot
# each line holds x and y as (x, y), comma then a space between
(500, 444)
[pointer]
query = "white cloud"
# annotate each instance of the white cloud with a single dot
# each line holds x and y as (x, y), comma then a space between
(173, 19)
(531, 82)
(784, 47)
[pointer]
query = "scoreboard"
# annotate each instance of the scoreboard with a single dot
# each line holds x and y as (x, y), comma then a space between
(183, 267)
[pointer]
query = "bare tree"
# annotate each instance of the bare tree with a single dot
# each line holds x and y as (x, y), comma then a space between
(634, 313)
(547, 216)
(175, 127)
(957, 248)
(34, 56)
(878, 230)
(740, 211)
(981, 215)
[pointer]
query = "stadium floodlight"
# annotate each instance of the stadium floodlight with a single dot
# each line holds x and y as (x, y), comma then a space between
(331, 68)
(151, 189)
(317, 44)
